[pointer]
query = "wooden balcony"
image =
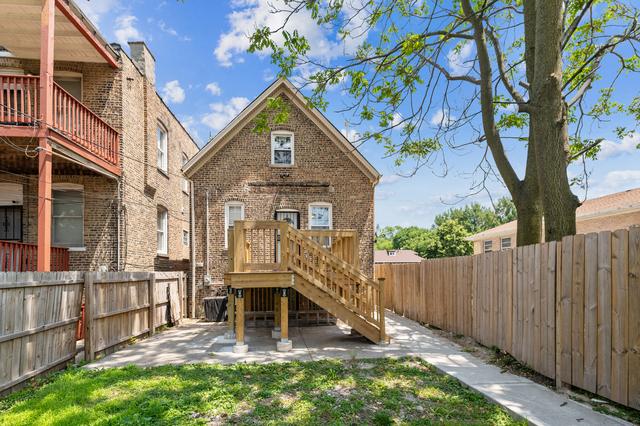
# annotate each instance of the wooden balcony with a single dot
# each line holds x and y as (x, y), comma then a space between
(22, 257)
(74, 125)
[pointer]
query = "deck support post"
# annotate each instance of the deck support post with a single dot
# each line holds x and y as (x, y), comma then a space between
(275, 333)
(47, 25)
(231, 314)
(284, 345)
(240, 347)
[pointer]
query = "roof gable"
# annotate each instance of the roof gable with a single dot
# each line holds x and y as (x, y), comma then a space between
(280, 86)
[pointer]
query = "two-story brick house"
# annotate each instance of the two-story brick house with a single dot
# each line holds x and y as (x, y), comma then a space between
(304, 172)
(90, 155)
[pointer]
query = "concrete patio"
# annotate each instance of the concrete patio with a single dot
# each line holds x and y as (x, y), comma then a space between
(201, 342)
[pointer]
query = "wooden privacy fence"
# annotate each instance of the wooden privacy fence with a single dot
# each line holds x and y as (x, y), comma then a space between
(39, 313)
(570, 310)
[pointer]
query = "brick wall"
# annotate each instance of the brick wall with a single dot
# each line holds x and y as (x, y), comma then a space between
(233, 172)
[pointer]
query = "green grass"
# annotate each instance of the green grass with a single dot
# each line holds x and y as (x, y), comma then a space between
(385, 391)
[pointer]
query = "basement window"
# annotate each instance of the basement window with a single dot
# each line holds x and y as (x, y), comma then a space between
(282, 148)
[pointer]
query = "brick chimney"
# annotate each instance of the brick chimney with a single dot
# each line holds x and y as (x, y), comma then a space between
(144, 60)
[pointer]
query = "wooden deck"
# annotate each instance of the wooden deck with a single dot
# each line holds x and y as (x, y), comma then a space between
(322, 266)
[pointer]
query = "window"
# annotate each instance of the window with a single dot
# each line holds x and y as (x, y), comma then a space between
(185, 238)
(488, 246)
(162, 149)
(505, 243)
(282, 148)
(233, 211)
(185, 181)
(68, 215)
(392, 252)
(320, 216)
(163, 222)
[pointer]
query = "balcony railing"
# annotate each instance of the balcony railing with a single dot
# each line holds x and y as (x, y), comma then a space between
(19, 105)
(22, 257)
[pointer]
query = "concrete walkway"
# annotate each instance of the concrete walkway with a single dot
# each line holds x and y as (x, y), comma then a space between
(201, 342)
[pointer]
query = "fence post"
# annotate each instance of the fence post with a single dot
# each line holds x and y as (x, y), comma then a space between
(558, 319)
(152, 303)
(88, 316)
(381, 307)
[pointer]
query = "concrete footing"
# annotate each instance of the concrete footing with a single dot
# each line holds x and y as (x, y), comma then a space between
(240, 349)
(275, 333)
(284, 345)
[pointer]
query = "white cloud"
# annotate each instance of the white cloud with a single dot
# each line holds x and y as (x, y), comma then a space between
(459, 60)
(251, 14)
(125, 29)
(268, 75)
(390, 179)
(222, 113)
(96, 9)
(442, 118)
(173, 93)
(189, 123)
(616, 181)
(171, 31)
(397, 119)
(352, 135)
(628, 145)
(214, 88)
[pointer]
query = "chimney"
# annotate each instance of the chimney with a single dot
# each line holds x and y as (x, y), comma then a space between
(144, 60)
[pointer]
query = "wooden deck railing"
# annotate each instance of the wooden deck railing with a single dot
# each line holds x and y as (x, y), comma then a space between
(81, 125)
(19, 99)
(22, 257)
(261, 246)
(19, 106)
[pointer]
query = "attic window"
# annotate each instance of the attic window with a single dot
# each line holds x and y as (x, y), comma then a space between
(282, 148)
(392, 252)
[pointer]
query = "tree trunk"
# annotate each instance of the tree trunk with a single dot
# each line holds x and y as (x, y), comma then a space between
(548, 124)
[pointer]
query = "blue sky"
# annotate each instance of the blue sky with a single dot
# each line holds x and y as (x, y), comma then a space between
(206, 77)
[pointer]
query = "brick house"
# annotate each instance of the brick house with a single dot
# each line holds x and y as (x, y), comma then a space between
(614, 211)
(90, 155)
(304, 172)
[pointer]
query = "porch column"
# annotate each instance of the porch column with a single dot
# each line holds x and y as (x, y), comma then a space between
(47, 26)
(275, 333)
(231, 313)
(284, 345)
(240, 347)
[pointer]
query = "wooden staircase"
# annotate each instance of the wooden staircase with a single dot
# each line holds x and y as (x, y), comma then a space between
(317, 264)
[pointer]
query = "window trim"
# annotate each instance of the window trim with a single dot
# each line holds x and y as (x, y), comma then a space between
(320, 204)
(185, 181)
(502, 247)
(484, 246)
(186, 233)
(226, 218)
(273, 139)
(162, 209)
(66, 186)
(164, 167)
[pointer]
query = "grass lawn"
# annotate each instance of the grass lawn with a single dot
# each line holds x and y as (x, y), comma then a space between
(384, 391)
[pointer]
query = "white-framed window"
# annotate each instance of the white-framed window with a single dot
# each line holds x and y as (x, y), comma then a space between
(67, 229)
(282, 152)
(185, 238)
(320, 216)
(392, 252)
(163, 230)
(505, 243)
(233, 210)
(161, 136)
(185, 181)
(488, 246)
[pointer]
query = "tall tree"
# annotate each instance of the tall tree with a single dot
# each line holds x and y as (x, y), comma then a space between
(536, 77)
(476, 218)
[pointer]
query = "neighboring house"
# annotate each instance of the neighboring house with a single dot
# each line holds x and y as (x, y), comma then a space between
(304, 172)
(112, 194)
(396, 256)
(614, 211)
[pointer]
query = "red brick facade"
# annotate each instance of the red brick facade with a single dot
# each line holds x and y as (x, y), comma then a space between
(241, 171)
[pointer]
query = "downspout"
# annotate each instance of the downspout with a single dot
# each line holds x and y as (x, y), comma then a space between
(192, 221)
(206, 243)
(119, 219)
